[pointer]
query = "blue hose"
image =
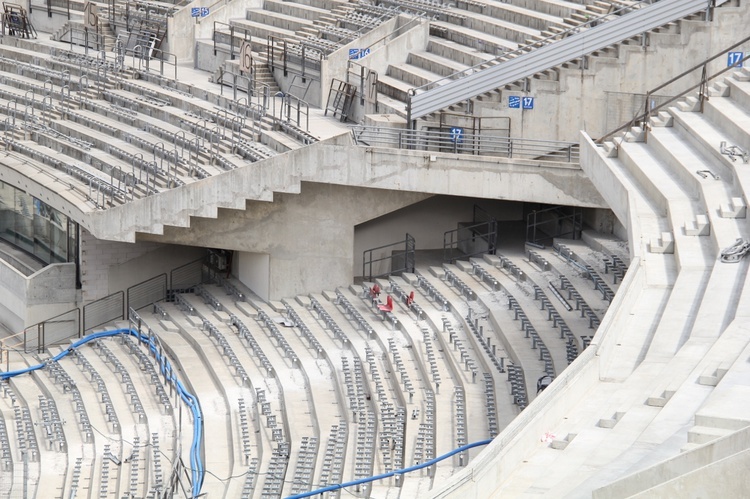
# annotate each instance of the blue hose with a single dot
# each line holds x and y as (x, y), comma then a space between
(196, 464)
(402, 471)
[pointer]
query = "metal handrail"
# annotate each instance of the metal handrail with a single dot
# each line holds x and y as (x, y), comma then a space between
(306, 61)
(643, 118)
(302, 109)
(141, 54)
(232, 37)
(40, 330)
(409, 246)
(475, 144)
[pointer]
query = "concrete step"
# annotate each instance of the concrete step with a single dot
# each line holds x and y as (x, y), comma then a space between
(463, 35)
(294, 9)
(394, 88)
(699, 175)
(739, 91)
(663, 119)
(260, 30)
(705, 434)
(277, 20)
(457, 53)
(698, 227)
(517, 14)
(663, 244)
(435, 64)
(736, 208)
(413, 76)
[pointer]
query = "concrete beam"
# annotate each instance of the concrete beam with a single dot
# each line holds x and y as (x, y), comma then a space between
(308, 236)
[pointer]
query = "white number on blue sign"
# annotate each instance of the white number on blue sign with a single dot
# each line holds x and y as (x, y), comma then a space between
(457, 134)
(735, 59)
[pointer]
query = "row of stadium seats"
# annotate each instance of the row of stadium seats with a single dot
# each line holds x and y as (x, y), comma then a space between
(322, 375)
(112, 139)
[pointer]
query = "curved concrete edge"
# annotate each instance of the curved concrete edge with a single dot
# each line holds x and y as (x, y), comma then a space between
(682, 465)
(522, 437)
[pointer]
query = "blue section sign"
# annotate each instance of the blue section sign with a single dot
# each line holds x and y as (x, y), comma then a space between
(527, 103)
(735, 59)
(457, 134)
(199, 11)
(514, 102)
(358, 53)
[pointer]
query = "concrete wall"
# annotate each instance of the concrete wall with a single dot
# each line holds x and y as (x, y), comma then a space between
(427, 221)
(678, 469)
(365, 183)
(615, 190)
(45, 24)
(149, 264)
(579, 99)
(254, 271)
(183, 29)
(390, 43)
(109, 266)
(28, 300)
(725, 478)
(308, 237)
(335, 161)
(393, 40)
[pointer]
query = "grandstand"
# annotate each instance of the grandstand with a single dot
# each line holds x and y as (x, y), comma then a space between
(406, 248)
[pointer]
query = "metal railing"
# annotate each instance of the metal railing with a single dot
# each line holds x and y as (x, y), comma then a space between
(399, 256)
(217, 33)
(543, 226)
(469, 240)
(144, 56)
(295, 111)
(90, 39)
(147, 292)
(297, 57)
(456, 141)
(702, 87)
(547, 53)
(103, 310)
(55, 329)
(77, 322)
(367, 81)
(187, 276)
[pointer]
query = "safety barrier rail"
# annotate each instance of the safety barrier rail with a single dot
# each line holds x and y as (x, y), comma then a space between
(233, 52)
(399, 257)
(456, 141)
(299, 57)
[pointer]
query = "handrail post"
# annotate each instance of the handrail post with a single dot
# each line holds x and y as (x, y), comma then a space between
(285, 54)
(231, 43)
(703, 92)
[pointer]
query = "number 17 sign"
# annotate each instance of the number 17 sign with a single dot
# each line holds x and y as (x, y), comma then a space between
(735, 59)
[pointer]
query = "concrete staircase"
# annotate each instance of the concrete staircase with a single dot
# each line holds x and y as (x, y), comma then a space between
(478, 42)
(677, 352)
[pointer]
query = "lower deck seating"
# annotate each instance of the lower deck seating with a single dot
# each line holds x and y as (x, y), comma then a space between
(318, 390)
